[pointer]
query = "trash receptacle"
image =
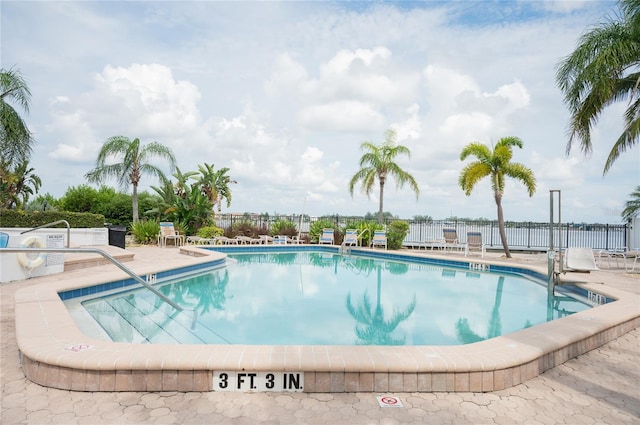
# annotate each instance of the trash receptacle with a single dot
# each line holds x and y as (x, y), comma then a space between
(117, 236)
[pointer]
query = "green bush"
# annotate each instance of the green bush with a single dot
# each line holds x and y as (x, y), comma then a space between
(28, 219)
(396, 232)
(315, 229)
(145, 231)
(209, 232)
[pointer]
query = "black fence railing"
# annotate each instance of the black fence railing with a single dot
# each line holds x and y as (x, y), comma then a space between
(520, 235)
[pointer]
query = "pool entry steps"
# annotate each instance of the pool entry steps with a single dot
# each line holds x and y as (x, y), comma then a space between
(55, 353)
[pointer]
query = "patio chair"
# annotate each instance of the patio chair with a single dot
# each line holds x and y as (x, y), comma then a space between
(474, 243)
(451, 239)
(326, 237)
(169, 233)
(580, 260)
(350, 237)
(379, 239)
(280, 240)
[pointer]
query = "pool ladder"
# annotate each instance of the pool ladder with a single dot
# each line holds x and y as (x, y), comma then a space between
(346, 250)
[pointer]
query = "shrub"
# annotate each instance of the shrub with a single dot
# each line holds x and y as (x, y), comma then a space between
(283, 227)
(396, 232)
(209, 232)
(246, 228)
(145, 231)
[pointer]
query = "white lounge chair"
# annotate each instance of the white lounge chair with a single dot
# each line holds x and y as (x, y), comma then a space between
(326, 237)
(580, 260)
(169, 233)
(379, 239)
(350, 237)
(451, 240)
(474, 243)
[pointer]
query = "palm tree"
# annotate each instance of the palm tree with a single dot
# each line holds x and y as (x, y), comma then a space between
(18, 184)
(132, 166)
(222, 182)
(215, 184)
(496, 164)
(602, 70)
(378, 163)
(632, 206)
(16, 141)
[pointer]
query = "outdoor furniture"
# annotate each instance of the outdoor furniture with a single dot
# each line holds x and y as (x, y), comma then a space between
(451, 240)
(169, 233)
(326, 237)
(350, 237)
(379, 239)
(580, 260)
(474, 243)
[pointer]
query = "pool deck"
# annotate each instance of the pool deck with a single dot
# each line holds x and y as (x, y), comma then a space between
(606, 377)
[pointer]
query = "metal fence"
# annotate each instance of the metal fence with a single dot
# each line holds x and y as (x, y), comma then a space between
(520, 235)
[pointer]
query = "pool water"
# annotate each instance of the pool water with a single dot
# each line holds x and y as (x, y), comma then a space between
(322, 298)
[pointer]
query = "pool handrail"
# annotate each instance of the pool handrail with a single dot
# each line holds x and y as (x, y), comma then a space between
(105, 255)
(52, 224)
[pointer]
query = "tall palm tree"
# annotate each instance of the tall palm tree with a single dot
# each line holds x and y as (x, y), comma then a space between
(604, 68)
(632, 206)
(16, 141)
(378, 163)
(497, 165)
(133, 164)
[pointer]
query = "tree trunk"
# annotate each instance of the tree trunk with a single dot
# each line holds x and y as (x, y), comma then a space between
(380, 209)
(503, 234)
(134, 201)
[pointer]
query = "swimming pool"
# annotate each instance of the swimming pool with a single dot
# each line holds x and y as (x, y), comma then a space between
(54, 352)
(326, 298)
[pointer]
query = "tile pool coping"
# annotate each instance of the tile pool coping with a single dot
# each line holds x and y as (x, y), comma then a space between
(55, 353)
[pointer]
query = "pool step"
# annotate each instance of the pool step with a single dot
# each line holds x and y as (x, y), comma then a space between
(141, 317)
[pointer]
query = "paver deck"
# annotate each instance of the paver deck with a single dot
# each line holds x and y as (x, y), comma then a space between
(601, 386)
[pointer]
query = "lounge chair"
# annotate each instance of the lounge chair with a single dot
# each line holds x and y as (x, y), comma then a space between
(246, 240)
(580, 260)
(266, 239)
(474, 243)
(223, 240)
(280, 240)
(169, 233)
(350, 237)
(451, 239)
(326, 237)
(379, 239)
(619, 254)
(294, 240)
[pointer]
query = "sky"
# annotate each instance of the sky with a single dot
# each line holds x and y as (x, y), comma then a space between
(284, 94)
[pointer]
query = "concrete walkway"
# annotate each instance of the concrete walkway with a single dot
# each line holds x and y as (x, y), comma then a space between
(600, 387)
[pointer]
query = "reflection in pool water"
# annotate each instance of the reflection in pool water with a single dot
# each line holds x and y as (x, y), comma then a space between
(321, 298)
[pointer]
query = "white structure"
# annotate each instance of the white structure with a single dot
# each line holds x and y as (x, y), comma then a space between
(22, 266)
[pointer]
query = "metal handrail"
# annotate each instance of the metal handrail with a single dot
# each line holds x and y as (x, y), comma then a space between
(53, 224)
(108, 257)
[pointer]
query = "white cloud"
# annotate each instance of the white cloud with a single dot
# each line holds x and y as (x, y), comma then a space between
(283, 93)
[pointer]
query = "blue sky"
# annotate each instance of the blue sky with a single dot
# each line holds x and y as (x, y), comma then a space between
(284, 93)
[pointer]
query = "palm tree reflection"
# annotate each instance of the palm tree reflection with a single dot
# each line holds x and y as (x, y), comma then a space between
(463, 330)
(372, 328)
